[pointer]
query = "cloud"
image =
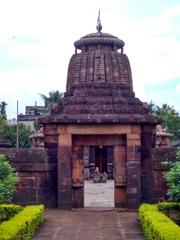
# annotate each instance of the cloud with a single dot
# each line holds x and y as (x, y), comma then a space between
(164, 93)
(178, 87)
(172, 11)
(36, 42)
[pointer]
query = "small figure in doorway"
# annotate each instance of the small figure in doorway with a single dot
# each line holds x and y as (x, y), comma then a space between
(104, 177)
(97, 176)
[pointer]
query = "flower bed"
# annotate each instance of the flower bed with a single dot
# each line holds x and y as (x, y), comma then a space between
(157, 225)
(23, 225)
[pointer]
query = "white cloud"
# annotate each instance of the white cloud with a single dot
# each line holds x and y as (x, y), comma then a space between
(151, 43)
(172, 11)
(178, 87)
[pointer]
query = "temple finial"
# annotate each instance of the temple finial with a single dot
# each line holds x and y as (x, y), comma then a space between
(99, 26)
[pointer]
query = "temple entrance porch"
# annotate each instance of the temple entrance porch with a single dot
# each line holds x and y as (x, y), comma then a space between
(82, 149)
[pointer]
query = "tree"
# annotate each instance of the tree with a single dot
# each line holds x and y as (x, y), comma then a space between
(54, 97)
(9, 132)
(3, 108)
(24, 133)
(173, 179)
(3, 123)
(170, 118)
(8, 180)
(3, 117)
(151, 107)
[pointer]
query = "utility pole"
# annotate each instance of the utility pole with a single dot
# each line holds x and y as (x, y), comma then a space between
(17, 127)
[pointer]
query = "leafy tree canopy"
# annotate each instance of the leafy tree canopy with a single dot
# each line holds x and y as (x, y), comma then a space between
(170, 118)
(54, 97)
(3, 108)
(173, 179)
(9, 132)
(8, 180)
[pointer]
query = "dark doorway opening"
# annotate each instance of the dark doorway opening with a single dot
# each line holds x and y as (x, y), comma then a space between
(101, 159)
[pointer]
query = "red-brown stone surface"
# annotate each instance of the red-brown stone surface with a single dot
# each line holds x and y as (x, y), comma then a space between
(99, 99)
(99, 86)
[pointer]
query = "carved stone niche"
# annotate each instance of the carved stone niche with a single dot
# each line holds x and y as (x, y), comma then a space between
(37, 140)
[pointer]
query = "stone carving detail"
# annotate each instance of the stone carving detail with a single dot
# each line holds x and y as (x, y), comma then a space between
(98, 177)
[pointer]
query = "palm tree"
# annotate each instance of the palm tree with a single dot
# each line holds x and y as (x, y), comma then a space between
(151, 107)
(53, 98)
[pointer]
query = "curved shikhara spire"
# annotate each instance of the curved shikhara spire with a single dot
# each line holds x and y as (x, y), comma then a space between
(99, 26)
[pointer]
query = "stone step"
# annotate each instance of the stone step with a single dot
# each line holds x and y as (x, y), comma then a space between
(99, 194)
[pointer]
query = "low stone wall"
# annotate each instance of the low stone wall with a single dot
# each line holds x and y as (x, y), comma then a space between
(159, 155)
(37, 169)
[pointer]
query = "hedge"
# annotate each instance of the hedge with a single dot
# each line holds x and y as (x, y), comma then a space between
(23, 225)
(156, 225)
(168, 206)
(8, 211)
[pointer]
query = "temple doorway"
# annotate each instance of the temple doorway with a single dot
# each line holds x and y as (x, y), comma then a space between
(99, 171)
(99, 187)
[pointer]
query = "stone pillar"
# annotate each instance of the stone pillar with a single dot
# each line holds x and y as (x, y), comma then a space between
(64, 171)
(133, 170)
(77, 177)
(148, 182)
(91, 161)
(51, 146)
(120, 176)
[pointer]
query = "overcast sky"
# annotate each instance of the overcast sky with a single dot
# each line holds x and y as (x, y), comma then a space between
(37, 36)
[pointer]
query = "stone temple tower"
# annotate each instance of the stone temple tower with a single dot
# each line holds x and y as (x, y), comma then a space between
(100, 112)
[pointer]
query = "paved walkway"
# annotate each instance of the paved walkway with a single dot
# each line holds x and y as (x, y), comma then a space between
(89, 224)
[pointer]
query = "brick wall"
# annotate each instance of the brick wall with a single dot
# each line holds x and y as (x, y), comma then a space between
(160, 155)
(37, 169)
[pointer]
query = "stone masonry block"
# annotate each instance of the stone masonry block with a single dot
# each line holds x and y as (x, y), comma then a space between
(65, 140)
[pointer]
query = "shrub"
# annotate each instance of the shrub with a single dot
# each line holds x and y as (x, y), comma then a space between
(156, 225)
(8, 211)
(168, 206)
(173, 179)
(23, 225)
(8, 180)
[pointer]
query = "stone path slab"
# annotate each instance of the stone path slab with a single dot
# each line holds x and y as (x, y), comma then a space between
(99, 194)
(89, 224)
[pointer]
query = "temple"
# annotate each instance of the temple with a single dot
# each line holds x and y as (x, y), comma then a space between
(101, 124)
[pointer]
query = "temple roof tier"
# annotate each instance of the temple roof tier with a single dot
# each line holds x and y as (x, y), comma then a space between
(99, 38)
